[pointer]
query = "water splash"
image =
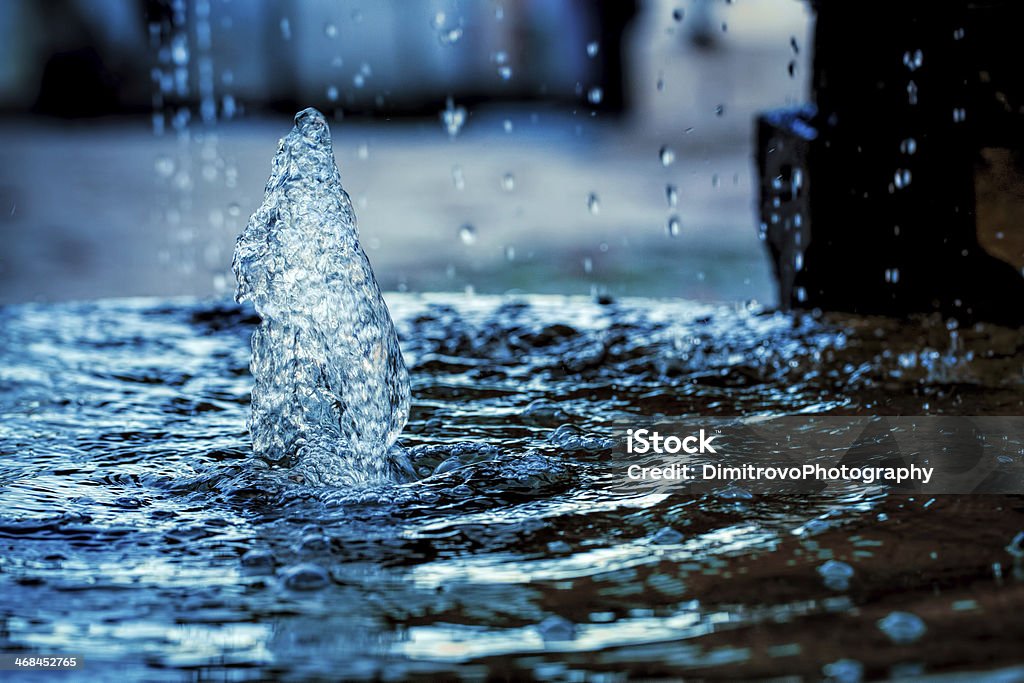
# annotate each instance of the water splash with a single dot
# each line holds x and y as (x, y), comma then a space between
(331, 390)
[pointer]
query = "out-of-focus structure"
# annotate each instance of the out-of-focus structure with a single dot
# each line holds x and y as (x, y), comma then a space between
(900, 189)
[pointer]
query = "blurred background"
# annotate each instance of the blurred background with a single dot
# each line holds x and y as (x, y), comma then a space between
(489, 146)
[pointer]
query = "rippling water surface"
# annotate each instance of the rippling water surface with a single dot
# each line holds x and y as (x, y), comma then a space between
(136, 532)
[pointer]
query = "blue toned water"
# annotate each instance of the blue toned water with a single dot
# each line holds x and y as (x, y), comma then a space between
(138, 531)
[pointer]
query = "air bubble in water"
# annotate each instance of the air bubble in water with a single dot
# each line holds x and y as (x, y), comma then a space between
(593, 203)
(672, 196)
(508, 182)
(675, 226)
(593, 48)
(667, 155)
(595, 95)
(467, 233)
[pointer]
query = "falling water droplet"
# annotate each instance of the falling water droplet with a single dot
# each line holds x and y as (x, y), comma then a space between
(593, 48)
(593, 203)
(453, 117)
(359, 80)
(716, 181)
(913, 60)
(507, 125)
(508, 182)
(286, 29)
(164, 166)
(959, 115)
(330, 30)
(363, 151)
(958, 34)
(595, 95)
(458, 179)
(332, 93)
(912, 93)
(792, 69)
(901, 178)
(234, 209)
(892, 275)
(677, 14)
(510, 253)
(674, 226)
(667, 155)
(467, 233)
(720, 110)
(505, 72)
(588, 264)
(660, 85)
(672, 196)
(908, 146)
(793, 45)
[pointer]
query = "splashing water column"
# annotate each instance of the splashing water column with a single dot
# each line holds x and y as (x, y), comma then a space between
(331, 390)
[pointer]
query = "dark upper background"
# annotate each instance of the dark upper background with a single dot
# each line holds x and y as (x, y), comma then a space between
(136, 137)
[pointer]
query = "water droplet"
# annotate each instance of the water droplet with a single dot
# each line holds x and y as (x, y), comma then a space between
(500, 57)
(507, 125)
(958, 34)
(179, 50)
(798, 260)
(467, 233)
(439, 20)
(912, 93)
(677, 14)
(164, 166)
(667, 155)
(453, 117)
(595, 95)
(357, 16)
(508, 182)
(359, 80)
(675, 226)
(720, 110)
(901, 178)
(458, 179)
(959, 115)
(672, 196)
(593, 203)
(716, 181)
(793, 45)
(844, 671)
(330, 30)
(902, 627)
(332, 93)
(667, 536)
(505, 72)
(660, 85)
(234, 209)
(913, 60)
(791, 68)
(556, 628)
(510, 253)
(363, 151)
(908, 146)
(892, 275)
(836, 574)
(305, 577)
(593, 48)
(286, 29)
(588, 264)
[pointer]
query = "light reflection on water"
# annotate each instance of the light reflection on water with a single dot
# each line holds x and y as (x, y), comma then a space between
(135, 533)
